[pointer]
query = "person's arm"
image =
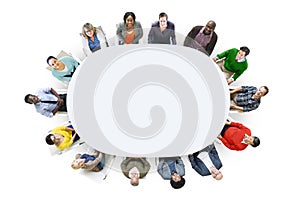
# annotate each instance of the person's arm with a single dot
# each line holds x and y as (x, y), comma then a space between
(124, 163)
(55, 93)
(56, 109)
(235, 90)
(211, 45)
(90, 165)
(46, 113)
(73, 137)
(160, 167)
(234, 107)
(230, 80)
(138, 32)
(150, 36)
(146, 165)
(238, 125)
(119, 32)
(95, 153)
(100, 155)
(74, 62)
(215, 59)
(227, 144)
(239, 72)
(173, 33)
(60, 102)
(69, 129)
(222, 55)
(250, 107)
(191, 35)
(180, 163)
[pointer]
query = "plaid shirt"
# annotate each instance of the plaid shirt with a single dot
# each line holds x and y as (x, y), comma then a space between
(245, 100)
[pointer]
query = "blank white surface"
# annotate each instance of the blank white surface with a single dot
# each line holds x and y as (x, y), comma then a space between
(108, 81)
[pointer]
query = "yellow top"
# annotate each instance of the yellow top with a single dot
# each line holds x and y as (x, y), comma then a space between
(67, 134)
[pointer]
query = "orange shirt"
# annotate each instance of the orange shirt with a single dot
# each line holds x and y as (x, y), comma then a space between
(129, 37)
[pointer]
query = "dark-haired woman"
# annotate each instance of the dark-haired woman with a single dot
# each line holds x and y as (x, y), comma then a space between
(129, 31)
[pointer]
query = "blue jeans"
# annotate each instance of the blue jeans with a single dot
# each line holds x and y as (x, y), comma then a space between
(102, 163)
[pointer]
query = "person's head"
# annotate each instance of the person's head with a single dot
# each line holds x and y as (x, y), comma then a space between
(243, 52)
(215, 173)
(50, 138)
(31, 99)
(177, 181)
(134, 180)
(129, 19)
(163, 20)
(262, 91)
(78, 162)
(256, 141)
(54, 63)
(88, 30)
(209, 27)
(252, 140)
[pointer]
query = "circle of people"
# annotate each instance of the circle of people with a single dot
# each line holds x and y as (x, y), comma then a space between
(232, 63)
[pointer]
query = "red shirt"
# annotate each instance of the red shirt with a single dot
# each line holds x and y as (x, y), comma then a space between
(129, 37)
(234, 136)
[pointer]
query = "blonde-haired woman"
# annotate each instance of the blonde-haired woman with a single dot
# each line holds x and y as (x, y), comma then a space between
(93, 38)
(91, 162)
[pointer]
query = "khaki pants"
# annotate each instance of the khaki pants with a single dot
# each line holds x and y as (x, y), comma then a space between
(233, 98)
(227, 74)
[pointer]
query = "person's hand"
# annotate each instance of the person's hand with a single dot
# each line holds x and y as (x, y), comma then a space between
(219, 137)
(227, 122)
(60, 102)
(232, 106)
(229, 81)
(215, 59)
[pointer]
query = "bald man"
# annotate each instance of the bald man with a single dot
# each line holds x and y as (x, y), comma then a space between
(202, 38)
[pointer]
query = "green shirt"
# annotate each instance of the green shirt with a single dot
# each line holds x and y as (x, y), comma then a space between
(231, 65)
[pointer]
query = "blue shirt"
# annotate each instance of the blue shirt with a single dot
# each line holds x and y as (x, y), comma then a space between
(94, 46)
(172, 167)
(71, 64)
(88, 158)
(45, 108)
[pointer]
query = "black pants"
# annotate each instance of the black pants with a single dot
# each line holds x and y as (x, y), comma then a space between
(224, 130)
(63, 107)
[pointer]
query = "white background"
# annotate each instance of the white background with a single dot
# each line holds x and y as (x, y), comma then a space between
(33, 30)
